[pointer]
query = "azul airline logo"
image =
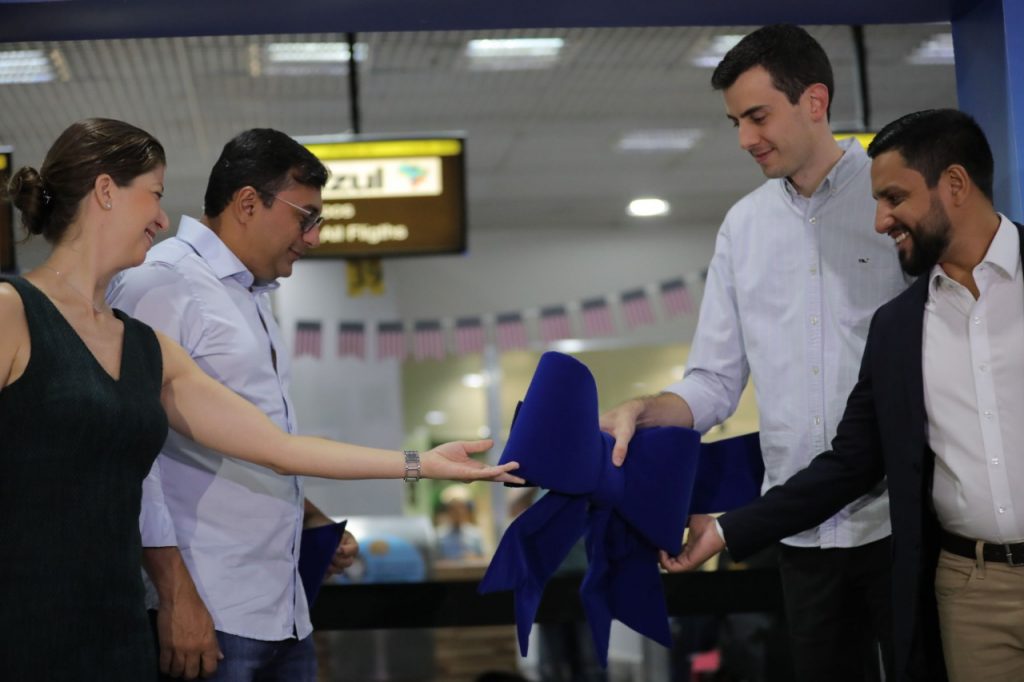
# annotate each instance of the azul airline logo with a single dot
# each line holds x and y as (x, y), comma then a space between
(416, 174)
(378, 178)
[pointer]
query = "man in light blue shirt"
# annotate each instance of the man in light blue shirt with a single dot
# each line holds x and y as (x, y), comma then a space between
(796, 275)
(217, 531)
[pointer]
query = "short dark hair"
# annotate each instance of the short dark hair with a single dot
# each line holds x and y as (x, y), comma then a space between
(931, 141)
(49, 198)
(789, 54)
(264, 159)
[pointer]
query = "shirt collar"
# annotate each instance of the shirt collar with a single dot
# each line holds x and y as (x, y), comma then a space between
(844, 170)
(1003, 254)
(222, 260)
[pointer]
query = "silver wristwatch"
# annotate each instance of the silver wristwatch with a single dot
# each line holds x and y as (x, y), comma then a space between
(412, 466)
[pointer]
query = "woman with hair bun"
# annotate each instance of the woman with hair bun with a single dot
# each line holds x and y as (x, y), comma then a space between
(86, 397)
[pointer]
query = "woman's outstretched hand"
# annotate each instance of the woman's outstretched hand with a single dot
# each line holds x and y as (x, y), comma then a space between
(452, 461)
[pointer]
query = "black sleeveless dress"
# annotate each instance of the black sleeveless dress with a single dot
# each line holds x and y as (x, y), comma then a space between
(74, 447)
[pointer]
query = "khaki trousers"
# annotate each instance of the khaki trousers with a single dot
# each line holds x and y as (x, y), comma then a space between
(981, 617)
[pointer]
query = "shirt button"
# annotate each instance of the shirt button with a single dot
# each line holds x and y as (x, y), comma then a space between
(983, 367)
(817, 421)
(988, 414)
(995, 460)
(814, 320)
(1002, 510)
(814, 370)
(814, 220)
(976, 320)
(814, 271)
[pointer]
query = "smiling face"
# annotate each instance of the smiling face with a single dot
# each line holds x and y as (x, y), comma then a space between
(137, 213)
(775, 132)
(276, 232)
(910, 212)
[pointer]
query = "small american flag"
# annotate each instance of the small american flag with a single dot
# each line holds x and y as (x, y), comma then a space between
(469, 335)
(554, 324)
(510, 332)
(675, 299)
(390, 340)
(597, 317)
(307, 339)
(428, 340)
(637, 308)
(352, 340)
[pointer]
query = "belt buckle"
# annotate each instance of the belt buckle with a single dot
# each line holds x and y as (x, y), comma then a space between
(1010, 559)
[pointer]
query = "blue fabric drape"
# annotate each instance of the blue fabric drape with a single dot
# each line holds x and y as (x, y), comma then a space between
(627, 513)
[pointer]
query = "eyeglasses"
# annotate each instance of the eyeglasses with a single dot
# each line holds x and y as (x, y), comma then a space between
(310, 221)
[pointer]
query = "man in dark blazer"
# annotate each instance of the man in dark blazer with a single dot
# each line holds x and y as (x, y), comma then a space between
(940, 420)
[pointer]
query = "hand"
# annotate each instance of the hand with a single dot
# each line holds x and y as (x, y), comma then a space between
(452, 461)
(702, 543)
(620, 422)
(188, 645)
(344, 555)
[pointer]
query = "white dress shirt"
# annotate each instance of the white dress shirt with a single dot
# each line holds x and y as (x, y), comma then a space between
(790, 293)
(238, 525)
(973, 355)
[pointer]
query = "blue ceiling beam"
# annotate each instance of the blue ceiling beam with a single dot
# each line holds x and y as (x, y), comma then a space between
(96, 19)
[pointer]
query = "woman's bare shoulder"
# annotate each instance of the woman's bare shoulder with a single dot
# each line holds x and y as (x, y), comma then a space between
(14, 340)
(12, 310)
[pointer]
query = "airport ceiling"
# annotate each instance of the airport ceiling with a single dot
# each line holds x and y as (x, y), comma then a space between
(543, 139)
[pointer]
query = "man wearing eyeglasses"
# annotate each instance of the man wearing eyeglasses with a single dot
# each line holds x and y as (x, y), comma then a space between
(221, 537)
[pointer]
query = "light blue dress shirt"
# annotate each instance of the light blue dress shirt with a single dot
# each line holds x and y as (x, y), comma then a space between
(790, 293)
(238, 525)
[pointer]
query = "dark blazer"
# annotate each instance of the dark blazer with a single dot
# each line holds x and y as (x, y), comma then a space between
(882, 434)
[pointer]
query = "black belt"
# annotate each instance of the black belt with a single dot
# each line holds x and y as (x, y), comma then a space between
(1012, 554)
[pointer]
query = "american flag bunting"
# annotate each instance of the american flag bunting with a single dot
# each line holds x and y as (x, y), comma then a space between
(307, 339)
(597, 318)
(510, 332)
(352, 340)
(637, 308)
(391, 340)
(675, 299)
(428, 340)
(469, 336)
(554, 324)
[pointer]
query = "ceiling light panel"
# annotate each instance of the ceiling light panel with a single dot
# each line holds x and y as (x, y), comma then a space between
(26, 66)
(304, 59)
(935, 50)
(513, 54)
(710, 52)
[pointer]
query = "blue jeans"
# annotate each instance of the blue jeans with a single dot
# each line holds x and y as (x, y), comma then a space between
(253, 660)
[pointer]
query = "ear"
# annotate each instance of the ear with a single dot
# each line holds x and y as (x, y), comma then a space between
(102, 189)
(244, 203)
(957, 183)
(816, 96)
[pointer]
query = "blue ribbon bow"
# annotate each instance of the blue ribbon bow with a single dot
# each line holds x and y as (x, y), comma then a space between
(627, 512)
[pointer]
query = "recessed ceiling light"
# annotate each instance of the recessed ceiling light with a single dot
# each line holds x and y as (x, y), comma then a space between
(710, 53)
(513, 53)
(25, 66)
(936, 50)
(304, 59)
(664, 140)
(646, 207)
